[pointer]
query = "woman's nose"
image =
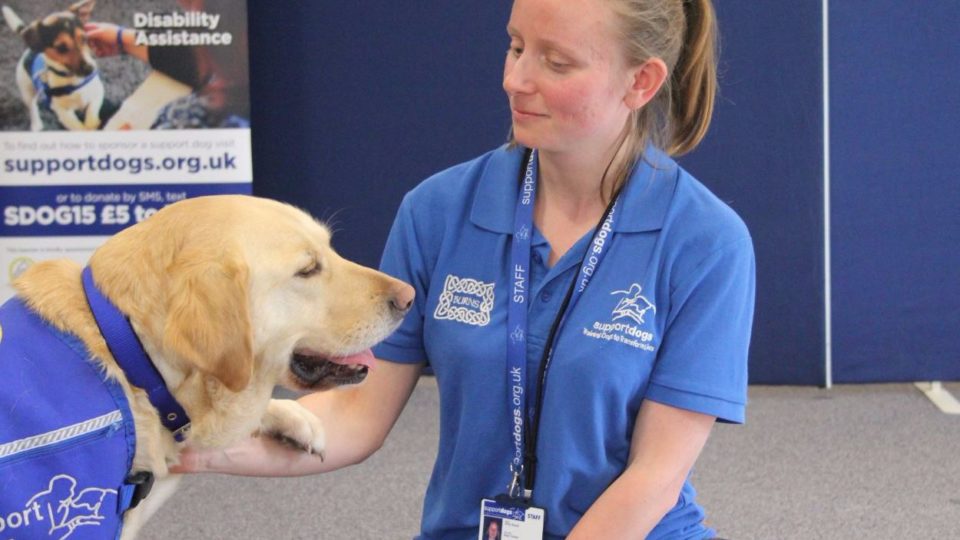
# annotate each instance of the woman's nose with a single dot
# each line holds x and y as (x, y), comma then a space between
(516, 77)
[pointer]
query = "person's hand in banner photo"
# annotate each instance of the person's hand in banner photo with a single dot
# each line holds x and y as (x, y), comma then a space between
(108, 39)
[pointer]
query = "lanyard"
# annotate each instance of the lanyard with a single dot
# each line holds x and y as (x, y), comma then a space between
(525, 439)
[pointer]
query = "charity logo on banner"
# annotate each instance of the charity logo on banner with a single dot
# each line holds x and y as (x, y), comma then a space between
(110, 110)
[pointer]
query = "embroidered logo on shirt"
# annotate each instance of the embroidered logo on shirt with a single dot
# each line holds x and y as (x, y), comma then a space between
(60, 509)
(634, 307)
(465, 300)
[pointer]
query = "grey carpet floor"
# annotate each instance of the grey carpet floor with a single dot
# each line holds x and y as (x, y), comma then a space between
(852, 462)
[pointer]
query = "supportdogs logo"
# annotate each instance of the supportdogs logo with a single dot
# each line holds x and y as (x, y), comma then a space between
(18, 266)
(634, 307)
(59, 510)
(465, 300)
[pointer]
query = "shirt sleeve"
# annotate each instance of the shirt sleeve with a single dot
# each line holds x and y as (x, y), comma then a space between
(702, 363)
(404, 258)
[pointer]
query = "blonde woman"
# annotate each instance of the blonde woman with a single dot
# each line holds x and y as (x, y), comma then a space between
(584, 302)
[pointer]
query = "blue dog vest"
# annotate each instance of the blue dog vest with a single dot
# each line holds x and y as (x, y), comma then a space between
(67, 436)
(35, 65)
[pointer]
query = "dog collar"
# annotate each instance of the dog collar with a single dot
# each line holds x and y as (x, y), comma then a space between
(54, 91)
(133, 360)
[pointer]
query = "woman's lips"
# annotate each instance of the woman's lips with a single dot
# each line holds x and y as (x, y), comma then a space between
(520, 113)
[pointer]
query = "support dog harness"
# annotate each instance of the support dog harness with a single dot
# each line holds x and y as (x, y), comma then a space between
(35, 65)
(67, 437)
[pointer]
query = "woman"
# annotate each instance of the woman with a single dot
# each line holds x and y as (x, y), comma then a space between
(594, 255)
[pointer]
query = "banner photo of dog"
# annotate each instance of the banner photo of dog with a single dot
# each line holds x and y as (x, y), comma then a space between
(118, 64)
(111, 110)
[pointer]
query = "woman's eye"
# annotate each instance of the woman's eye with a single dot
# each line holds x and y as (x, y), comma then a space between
(309, 271)
(557, 65)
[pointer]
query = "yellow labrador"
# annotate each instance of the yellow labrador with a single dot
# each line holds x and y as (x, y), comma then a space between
(229, 296)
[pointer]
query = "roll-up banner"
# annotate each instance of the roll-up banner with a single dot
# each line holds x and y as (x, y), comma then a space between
(110, 110)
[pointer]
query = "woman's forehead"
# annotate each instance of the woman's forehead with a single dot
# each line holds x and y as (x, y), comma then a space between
(571, 24)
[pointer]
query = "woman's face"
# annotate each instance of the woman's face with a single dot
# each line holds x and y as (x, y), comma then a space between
(493, 529)
(565, 75)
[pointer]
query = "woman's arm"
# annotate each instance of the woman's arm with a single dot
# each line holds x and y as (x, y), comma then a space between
(356, 420)
(666, 442)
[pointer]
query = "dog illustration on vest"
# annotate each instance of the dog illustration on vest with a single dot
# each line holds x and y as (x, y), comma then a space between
(66, 509)
(633, 305)
(57, 71)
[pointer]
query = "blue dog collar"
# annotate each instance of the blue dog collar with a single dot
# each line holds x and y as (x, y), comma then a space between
(133, 360)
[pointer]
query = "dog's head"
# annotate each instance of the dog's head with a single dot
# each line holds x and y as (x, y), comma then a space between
(62, 40)
(248, 291)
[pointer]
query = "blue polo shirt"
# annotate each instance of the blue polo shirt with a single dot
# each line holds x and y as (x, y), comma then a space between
(666, 317)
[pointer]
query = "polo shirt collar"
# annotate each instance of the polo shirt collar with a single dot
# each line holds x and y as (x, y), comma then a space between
(645, 199)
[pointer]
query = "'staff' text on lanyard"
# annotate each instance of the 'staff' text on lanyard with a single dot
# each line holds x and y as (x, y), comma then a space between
(524, 446)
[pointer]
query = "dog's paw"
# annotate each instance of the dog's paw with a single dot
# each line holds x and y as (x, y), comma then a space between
(289, 422)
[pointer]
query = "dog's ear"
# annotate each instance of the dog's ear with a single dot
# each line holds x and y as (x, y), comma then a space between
(31, 36)
(83, 9)
(208, 318)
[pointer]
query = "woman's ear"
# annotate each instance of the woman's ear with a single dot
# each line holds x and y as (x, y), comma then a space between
(646, 80)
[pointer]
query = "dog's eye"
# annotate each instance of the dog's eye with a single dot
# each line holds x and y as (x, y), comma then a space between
(62, 48)
(309, 271)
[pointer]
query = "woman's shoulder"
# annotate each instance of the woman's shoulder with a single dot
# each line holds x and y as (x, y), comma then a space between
(697, 214)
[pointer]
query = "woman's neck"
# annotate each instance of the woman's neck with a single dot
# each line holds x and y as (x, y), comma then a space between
(569, 200)
(574, 183)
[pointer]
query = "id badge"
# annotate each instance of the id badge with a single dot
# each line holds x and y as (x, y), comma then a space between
(508, 519)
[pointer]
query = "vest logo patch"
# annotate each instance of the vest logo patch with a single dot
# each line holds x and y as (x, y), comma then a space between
(634, 307)
(465, 300)
(60, 509)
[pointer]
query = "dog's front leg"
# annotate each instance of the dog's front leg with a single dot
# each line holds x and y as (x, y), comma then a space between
(134, 519)
(290, 422)
(68, 118)
(35, 123)
(91, 119)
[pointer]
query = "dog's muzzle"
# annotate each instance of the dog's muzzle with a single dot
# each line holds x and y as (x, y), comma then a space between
(314, 371)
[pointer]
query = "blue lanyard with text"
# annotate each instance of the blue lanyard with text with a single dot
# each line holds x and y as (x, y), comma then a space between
(524, 454)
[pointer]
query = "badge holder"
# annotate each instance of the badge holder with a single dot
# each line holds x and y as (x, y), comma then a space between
(510, 516)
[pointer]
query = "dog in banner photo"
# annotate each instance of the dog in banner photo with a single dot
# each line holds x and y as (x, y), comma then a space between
(57, 70)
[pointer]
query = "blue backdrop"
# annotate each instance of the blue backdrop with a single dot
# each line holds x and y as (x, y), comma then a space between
(354, 104)
(895, 112)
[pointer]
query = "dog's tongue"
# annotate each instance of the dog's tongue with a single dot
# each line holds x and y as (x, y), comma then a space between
(364, 358)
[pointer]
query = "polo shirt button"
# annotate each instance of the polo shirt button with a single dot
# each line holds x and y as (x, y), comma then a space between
(536, 257)
(545, 297)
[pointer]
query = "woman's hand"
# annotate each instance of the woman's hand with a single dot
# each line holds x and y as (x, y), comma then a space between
(356, 420)
(108, 39)
(254, 456)
(192, 460)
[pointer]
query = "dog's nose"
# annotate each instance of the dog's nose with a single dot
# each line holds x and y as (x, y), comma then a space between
(401, 297)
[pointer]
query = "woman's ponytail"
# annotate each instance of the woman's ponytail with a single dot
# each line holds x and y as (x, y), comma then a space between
(694, 85)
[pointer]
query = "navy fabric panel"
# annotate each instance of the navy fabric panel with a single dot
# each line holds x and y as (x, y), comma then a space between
(763, 155)
(895, 108)
(355, 103)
